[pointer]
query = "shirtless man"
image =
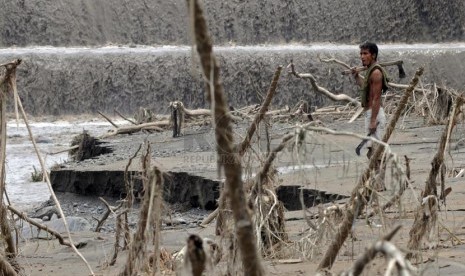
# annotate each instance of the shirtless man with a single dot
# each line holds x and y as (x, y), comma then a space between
(372, 86)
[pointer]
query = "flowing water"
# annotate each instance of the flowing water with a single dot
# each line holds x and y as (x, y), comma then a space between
(21, 158)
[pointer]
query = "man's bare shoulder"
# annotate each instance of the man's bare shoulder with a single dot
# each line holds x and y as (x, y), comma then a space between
(376, 75)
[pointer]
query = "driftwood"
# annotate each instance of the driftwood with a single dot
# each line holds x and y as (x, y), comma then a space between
(108, 119)
(426, 213)
(357, 202)
(228, 160)
(52, 232)
(157, 126)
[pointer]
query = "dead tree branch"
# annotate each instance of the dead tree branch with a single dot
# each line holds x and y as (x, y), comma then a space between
(322, 90)
(52, 232)
(127, 119)
(108, 119)
(369, 255)
(360, 191)
(110, 210)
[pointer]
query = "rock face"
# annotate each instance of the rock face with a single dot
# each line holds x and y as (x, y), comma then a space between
(86, 22)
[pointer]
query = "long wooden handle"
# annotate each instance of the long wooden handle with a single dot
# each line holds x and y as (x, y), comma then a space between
(383, 64)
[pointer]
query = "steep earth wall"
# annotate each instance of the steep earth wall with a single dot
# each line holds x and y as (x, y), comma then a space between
(70, 81)
(243, 22)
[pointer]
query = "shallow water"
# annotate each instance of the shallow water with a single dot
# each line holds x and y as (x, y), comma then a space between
(21, 157)
(141, 49)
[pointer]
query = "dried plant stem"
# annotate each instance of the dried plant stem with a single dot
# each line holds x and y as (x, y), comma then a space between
(261, 113)
(137, 253)
(356, 202)
(117, 237)
(262, 174)
(424, 220)
(155, 206)
(245, 144)
(6, 269)
(129, 184)
(228, 159)
(399, 194)
(368, 256)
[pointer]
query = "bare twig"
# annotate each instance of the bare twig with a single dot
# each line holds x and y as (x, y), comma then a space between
(110, 210)
(127, 119)
(108, 119)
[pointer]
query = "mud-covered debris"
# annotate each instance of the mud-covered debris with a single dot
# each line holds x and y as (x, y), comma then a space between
(89, 147)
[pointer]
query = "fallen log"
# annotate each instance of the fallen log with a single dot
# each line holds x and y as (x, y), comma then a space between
(131, 129)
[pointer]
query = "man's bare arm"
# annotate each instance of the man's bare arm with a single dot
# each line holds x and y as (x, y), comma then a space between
(376, 86)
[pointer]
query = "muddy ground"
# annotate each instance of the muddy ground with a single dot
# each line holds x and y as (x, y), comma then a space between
(327, 163)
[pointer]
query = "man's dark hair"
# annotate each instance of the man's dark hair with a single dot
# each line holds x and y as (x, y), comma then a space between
(370, 46)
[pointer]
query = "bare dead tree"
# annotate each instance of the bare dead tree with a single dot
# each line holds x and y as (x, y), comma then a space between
(228, 159)
(360, 191)
(7, 86)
